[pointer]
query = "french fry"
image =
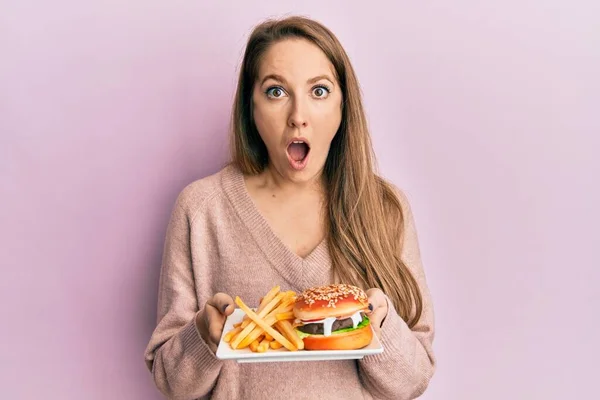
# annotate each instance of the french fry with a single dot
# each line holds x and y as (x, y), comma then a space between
(286, 328)
(251, 325)
(229, 335)
(262, 303)
(270, 319)
(266, 308)
(261, 322)
(291, 293)
(275, 345)
(285, 315)
(268, 297)
(261, 330)
(285, 306)
(264, 345)
(256, 332)
(233, 338)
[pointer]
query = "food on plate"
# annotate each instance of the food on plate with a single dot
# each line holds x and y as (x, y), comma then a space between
(333, 317)
(267, 327)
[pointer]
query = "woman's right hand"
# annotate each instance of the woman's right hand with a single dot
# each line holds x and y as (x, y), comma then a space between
(211, 320)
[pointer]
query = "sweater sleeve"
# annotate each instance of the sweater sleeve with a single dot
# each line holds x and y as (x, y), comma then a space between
(405, 367)
(182, 364)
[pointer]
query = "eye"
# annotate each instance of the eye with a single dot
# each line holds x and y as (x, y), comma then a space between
(275, 92)
(321, 91)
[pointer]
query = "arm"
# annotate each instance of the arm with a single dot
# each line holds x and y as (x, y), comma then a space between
(182, 364)
(404, 369)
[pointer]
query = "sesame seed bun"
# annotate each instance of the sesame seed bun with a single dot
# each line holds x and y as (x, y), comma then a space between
(336, 300)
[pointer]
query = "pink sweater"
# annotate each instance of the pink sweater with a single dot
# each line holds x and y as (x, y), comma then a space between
(217, 241)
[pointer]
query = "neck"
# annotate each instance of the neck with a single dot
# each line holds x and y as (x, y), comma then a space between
(273, 180)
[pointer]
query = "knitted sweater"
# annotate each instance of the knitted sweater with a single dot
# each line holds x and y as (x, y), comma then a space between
(217, 241)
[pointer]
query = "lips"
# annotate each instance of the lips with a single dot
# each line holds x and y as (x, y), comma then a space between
(298, 151)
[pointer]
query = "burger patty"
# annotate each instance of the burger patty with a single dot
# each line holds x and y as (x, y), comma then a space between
(317, 329)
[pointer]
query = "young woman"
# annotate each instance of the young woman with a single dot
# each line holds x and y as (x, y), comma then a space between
(300, 205)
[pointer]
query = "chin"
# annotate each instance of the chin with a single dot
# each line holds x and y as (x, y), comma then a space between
(303, 176)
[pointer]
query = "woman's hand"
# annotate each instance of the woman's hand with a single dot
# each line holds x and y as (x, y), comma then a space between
(379, 308)
(211, 320)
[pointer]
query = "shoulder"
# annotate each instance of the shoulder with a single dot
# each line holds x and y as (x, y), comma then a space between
(201, 192)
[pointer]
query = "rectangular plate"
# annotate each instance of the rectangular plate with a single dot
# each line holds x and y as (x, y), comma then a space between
(224, 351)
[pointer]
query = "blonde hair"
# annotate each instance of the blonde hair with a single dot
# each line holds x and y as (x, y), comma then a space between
(365, 221)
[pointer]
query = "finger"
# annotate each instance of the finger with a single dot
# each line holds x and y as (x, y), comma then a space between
(210, 342)
(217, 310)
(376, 297)
(377, 306)
(377, 316)
(223, 303)
(215, 321)
(215, 331)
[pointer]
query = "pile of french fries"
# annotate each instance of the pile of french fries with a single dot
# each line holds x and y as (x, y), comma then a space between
(270, 327)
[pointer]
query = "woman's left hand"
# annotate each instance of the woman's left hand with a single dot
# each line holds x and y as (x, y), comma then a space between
(378, 302)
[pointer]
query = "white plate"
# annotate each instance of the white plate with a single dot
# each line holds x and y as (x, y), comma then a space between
(225, 352)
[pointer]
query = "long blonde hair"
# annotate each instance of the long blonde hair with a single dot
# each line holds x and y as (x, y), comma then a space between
(365, 221)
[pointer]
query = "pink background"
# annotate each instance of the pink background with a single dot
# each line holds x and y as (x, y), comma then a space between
(486, 115)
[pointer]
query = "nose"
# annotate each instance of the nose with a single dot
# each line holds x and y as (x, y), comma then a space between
(298, 117)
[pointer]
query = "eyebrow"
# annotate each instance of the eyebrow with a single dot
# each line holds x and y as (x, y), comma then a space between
(281, 79)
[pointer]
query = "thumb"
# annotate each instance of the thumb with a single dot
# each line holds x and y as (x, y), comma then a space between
(377, 316)
(223, 303)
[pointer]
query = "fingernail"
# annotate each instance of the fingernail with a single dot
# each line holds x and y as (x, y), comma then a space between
(370, 306)
(225, 307)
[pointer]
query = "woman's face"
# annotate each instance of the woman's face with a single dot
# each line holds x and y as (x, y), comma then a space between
(297, 108)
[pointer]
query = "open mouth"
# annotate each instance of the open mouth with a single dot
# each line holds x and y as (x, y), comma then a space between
(298, 151)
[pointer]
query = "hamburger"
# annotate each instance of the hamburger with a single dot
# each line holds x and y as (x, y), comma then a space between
(333, 317)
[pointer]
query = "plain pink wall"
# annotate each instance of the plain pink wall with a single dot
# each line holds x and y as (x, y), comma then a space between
(486, 115)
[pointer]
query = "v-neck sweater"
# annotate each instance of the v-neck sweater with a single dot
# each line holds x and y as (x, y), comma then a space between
(218, 241)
